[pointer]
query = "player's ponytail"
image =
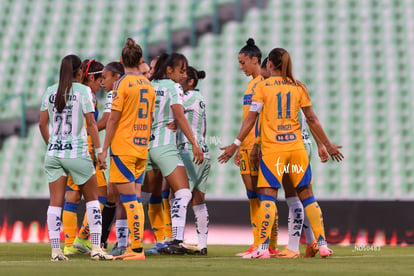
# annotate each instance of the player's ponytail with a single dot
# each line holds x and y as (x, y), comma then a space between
(251, 50)
(281, 61)
(193, 74)
(68, 69)
(131, 54)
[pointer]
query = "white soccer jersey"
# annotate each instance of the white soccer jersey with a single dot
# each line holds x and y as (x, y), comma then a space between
(168, 93)
(67, 132)
(108, 103)
(195, 112)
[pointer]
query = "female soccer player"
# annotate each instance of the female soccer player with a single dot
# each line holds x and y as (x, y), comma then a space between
(278, 99)
(128, 132)
(111, 73)
(92, 77)
(169, 72)
(65, 107)
(195, 112)
(249, 60)
(296, 218)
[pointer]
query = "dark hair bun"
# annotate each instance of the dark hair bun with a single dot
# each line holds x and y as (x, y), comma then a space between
(251, 42)
(130, 43)
(201, 74)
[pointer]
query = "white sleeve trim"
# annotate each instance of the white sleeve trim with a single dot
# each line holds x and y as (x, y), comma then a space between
(256, 107)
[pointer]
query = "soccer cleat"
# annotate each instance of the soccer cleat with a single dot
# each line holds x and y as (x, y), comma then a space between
(273, 252)
(257, 255)
(57, 255)
(156, 249)
(175, 248)
(248, 251)
(71, 250)
(85, 246)
(288, 254)
(311, 249)
(324, 251)
(136, 254)
(117, 250)
(202, 252)
(98, 253)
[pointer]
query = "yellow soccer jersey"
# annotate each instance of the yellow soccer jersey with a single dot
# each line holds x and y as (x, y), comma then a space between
(134, 97)
(279, 101)
(247, 101)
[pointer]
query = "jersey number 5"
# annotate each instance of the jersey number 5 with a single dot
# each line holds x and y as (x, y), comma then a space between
(279, 105)
(143, 112)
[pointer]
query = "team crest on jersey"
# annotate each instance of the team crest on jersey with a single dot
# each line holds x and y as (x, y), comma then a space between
(202, 105)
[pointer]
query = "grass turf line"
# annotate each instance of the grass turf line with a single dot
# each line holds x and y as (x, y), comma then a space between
(34, 259)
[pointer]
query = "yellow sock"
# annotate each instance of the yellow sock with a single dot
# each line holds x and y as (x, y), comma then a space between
(254, 211)
(314, 214)
(134, 217)
(275, 232)
(156, 217)
(254, 204)
(166, 213)
(84, 230)
(70, 222)
(266, 217)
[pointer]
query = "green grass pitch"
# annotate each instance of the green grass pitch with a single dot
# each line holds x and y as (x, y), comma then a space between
(33, 259)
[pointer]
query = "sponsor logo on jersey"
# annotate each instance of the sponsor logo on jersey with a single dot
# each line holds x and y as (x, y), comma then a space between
(288, 137)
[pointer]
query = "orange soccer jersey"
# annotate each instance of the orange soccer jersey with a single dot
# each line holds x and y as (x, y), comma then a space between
(247, 100)
(280, 127)
(134, 97)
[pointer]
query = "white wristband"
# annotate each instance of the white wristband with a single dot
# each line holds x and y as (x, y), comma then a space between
(98, 150)
(237, 142)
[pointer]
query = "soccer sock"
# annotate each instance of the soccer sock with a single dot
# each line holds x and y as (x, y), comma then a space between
(108, 215)
(70, 222)
(314, 214)
(179, 213)
(295, 222)
(54, 220)
(135, 221)
(121, 226)
(254, 203)
(93, 213)
(166, 212)
(141, 215)
(275, 232)
(266, 217)
(308, 231)
(84, 229)
(201, 220)
(155, 215)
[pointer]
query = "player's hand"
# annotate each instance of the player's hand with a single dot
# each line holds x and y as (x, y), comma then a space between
(228, 153)
(255, 154)
(323, 154)
(172, 126)
(198, 154)
(237, 158)
(334, 152)
(102, 160)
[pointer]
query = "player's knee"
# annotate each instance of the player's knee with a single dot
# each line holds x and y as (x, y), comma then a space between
(184, 194)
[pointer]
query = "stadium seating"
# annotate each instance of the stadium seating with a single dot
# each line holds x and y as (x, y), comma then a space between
(353, 56)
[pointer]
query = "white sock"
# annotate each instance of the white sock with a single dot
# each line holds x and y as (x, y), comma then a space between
(145, 198)
(54, 221)
(295, 222)
(310, 237)
(179, 213)
(121, 227)
(201, 220)
(93, 213)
